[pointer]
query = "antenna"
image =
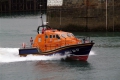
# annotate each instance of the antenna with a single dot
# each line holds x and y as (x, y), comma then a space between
(41, 15)
(41, 20)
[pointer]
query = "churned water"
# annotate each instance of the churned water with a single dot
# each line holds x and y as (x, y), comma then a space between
(102, 64)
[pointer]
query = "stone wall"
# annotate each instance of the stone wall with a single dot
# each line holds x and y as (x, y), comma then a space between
(9, 6)
(85, 15)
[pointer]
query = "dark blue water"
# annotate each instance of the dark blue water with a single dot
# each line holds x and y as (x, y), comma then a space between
(102, 64)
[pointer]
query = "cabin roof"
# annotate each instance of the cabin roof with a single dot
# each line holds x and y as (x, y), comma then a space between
(55, 32)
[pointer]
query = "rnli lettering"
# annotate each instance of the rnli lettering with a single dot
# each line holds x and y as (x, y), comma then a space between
(75, 50)
(72, 51)
(68, 52)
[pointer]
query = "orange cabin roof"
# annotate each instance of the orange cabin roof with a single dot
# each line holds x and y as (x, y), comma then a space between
(52, 39)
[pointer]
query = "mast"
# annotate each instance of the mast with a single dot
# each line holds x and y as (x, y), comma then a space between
(41, 15)
(41, 20)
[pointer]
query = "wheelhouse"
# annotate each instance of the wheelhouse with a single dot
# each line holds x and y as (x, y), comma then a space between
(52, 39)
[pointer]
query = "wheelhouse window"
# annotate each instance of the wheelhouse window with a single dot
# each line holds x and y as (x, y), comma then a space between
(53, 36)
(50, 36)
(70, 35)
(64, 35)
(46, 36)
(57, 36)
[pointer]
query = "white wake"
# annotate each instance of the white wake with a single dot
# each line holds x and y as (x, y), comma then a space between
(11, 55)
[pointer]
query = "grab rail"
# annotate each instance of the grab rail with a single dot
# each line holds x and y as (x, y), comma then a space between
(85, 39)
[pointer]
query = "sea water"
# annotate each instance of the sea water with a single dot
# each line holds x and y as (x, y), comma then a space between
(102, 64)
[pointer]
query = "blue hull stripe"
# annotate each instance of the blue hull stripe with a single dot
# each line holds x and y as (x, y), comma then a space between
(79, 49)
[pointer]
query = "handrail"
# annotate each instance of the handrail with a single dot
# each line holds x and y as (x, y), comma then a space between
(84, 38)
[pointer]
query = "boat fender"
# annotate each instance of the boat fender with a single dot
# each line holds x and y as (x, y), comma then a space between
(23, 45)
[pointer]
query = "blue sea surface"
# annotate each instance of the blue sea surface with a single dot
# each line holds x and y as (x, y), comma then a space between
(102, 64)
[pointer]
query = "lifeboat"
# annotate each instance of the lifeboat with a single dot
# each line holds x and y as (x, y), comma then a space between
(52, 41)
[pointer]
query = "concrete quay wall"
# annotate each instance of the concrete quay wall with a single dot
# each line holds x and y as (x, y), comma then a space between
(85, 15)
(8, 6)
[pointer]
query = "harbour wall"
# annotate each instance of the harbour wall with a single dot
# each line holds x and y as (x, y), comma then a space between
(12, 6)
(85, 15)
